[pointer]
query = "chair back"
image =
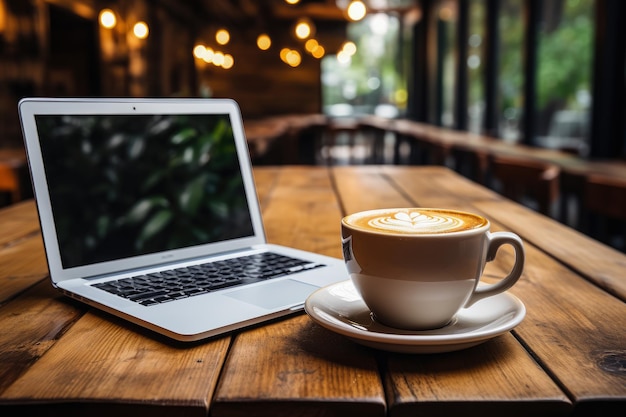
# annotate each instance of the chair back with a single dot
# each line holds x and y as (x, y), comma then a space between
(528, 181)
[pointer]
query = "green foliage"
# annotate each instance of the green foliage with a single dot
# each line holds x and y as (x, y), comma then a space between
(564, 54)
(194, 195)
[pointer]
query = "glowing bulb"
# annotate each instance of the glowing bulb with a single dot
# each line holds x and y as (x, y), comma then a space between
(222, 36)
(141, 30)
(310, 45)
(290, 57)
(108, 19)
(356, 10)
(349, 48)
(344, 58)
(208, 55)
(319, 52)
(303, 30)
(199, 51)
(218, 59)
(263, 42)
(293, 58)
(229, 61)
(292, 1)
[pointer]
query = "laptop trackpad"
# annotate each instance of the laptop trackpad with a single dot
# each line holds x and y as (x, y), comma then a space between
(275, 294)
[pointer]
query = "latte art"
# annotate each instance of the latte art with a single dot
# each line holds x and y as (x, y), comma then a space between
(415, 221)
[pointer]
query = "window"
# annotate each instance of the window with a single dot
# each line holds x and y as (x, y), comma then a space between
(368, 80)
(446, 56)
(475, 67)
(563, 105)
(511, 76)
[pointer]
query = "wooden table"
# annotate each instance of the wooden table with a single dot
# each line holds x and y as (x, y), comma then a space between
(568, 356)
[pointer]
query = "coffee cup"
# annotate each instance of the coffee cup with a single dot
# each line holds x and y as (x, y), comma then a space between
(415, 268)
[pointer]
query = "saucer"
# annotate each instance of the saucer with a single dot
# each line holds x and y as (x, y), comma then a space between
(339, 308)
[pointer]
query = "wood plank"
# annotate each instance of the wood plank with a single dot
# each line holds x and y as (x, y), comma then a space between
(18, 221)
(22, 265)
(574, 339)
(104, 365)
(436, 186)
(302, 211)
(494, 378)
(552, 293)
(366, 188)
(487, 387)
(29, 326)
(295, 367)
(599, 263)
(265, 181)
(292, 364)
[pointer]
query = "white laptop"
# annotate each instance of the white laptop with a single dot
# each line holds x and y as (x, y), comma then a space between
(148, 211)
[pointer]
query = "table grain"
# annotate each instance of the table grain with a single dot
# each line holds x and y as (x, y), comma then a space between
(568, 356)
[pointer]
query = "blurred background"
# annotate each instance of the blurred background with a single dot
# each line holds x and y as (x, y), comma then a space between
(546, 74)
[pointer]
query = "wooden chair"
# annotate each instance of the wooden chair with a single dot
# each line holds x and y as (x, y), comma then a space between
(571, 196)
(375, 137)
(340, 132)
(470, 162)
(604, 210)
(528, 181)
(428, 151)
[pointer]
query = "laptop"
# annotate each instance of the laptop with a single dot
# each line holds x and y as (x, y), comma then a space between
(148, 211)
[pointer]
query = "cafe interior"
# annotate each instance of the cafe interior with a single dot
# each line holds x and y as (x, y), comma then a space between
(526, 97)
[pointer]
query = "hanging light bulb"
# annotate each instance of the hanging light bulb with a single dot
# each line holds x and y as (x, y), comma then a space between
(229, 61)
(356, 10)
(304, 28)
(199, 50)
(107, 19)
(349, 48)
(141, 30)
(222, 36)
(263, 41)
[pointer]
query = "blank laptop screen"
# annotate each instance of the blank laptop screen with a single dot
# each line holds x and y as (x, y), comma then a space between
(128, 185)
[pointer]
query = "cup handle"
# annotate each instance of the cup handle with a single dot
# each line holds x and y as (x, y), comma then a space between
(495, 240)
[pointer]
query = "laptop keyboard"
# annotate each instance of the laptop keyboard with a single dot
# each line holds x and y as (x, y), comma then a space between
(174, 284)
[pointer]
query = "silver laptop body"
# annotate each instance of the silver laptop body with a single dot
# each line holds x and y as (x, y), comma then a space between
(135, 188)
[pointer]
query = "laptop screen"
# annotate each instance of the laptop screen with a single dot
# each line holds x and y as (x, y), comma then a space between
(128, 185)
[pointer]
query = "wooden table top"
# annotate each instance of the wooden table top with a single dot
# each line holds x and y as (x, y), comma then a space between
(568, 356)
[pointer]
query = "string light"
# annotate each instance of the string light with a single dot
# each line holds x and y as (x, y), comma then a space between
(222, 36)
(229, 61)
(264, 42)
(208, 55)
(304, 28)
(107, 19)
(318, 52)
(218, 59)
(141, 30)
(357, 10)
(290, 57)
(344, 56)
(349, 48)
(314, 48)
(199, 51)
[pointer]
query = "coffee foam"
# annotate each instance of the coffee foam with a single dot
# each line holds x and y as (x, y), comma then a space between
(416, 221)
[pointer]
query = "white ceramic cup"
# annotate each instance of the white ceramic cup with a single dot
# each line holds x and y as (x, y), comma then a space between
(415, 268)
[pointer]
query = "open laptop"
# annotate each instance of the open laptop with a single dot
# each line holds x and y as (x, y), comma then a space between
(148, 210)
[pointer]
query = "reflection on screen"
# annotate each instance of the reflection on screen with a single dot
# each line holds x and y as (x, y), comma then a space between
(127, 185)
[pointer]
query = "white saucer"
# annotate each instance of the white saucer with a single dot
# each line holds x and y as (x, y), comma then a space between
(338, 307)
